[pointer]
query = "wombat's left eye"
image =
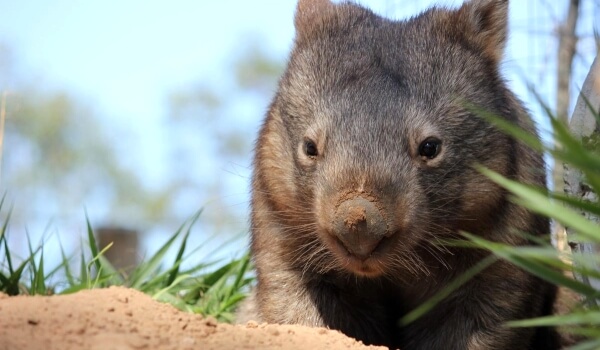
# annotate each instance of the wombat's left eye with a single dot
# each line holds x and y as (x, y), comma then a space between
(430, 148)
(310, 148)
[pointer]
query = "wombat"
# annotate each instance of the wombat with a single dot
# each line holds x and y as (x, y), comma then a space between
(365, 162)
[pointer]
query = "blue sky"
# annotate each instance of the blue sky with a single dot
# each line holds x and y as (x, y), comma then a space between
(123, 58)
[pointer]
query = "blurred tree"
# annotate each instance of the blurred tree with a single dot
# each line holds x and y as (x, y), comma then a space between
(212, 128)
(567, 44)
(57, 157)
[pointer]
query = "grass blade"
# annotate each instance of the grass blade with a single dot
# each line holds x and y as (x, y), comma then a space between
(65, 263)
(144, 271)
(178, 259)
(510, 254)
(446, 291)
(509, 128)
(92, 244)
(537, 202)
(14, 279)
(165, 290)
(587, 345)
(39, 285)
(573, 319)
(5, 240)
(83, 272)
(583, 205)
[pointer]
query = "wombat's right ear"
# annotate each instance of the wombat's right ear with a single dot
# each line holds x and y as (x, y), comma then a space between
(486, 25)
(310, 15)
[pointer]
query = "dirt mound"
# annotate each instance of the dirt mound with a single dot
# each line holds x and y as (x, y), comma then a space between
(121, 318)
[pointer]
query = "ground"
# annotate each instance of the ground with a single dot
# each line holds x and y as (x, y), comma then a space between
(121, 318)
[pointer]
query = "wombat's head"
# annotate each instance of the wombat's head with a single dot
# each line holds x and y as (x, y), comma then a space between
(367, 152)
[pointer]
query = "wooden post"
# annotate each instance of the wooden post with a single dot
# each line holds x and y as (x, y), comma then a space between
(124, 252)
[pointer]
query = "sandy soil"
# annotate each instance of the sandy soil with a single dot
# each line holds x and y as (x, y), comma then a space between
(120, 318)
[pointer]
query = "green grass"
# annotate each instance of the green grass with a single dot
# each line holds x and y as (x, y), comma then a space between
(575, 213)
(212, 288)
(543, 260)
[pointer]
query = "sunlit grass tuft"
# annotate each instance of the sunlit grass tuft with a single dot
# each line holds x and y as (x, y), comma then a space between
(212, 288)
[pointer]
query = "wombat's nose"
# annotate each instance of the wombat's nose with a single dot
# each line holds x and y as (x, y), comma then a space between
(359, 225)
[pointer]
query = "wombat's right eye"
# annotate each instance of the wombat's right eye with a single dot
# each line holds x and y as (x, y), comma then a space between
(310, 148)
(429, 148)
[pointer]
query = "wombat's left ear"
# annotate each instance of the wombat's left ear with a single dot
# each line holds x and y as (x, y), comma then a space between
(310, 15)
(486, 25)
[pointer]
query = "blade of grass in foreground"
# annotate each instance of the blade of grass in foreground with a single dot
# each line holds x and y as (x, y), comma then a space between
(38, 284)
(106, 275)
(83, 272)
(579, 323)
(92, 243)
(586, 332)
(537, 202)
(217, 292)
(509, 253)
(10, 284)
(446, 291)
(510, 128)
(577, 155)
(587, 345)
(178, 259)
(85, 276)
(143, 273)
(158, 295)
(583, 205)
(3, 238)
(572, 150)
(36, 276)
(544, 253)
(65, 263)
(573, 319)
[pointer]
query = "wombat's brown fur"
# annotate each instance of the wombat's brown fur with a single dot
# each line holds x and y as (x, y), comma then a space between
(365, 162)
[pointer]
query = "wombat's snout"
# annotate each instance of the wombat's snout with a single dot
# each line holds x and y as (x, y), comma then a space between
(359, 225)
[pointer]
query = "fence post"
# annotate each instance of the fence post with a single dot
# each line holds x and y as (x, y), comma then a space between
(124, 252)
